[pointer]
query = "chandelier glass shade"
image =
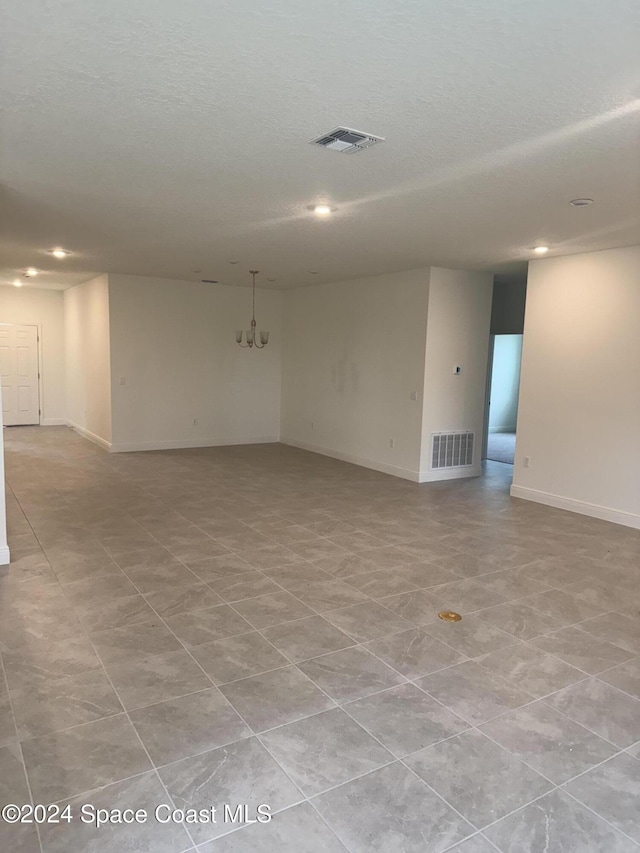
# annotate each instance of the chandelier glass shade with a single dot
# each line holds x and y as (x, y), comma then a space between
(249, 337)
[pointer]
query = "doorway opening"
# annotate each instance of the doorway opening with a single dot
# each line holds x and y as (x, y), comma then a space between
(20, 372)
(503, 385)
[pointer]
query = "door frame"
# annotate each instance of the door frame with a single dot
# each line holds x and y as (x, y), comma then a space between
(487, 398)
(38, 328)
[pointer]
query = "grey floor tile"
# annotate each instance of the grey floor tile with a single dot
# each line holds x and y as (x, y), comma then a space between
(601, 708)
(275, 698)
(405, 719)
(238, 657)
(324, 750)
(15, 838)
(13, 782)
(19, 838)
(183, 599)
(471, 636)
(272, 609)
(182, 727)
(477, 777)
(464, 565)
(474, 693)
(328, 595)
(418, 607)
(64, 702)
(548, 741)
(7, 725)
(620, 630)
(298, 829)
(557, 823)
(414, 653)
(204, 626)
(134, 641)
(347, 565)
(582, 649)
(239, 773)
(66, 763)
(366, 621)
(43, 661)
(378, 533)
(564, 608)
(518, 619)
(114, 613)
(141, 792)
(625, 677)
(465, 596)
(533, 670)
(350, 674)
(100, 589)
(390, 809)
(143, 681)
(307, 638)
(220, 568)
(239, 587)
(475, 844)
(161, 577)
(381, 583)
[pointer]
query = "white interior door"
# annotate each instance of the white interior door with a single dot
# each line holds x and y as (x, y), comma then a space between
(19, 371)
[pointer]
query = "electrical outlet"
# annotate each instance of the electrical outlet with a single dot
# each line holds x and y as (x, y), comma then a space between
(195, 422)
(413, 395)
(123, 380)
(526, 461)
(391, 442)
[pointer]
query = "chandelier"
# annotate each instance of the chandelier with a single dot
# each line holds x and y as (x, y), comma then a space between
(251, 339)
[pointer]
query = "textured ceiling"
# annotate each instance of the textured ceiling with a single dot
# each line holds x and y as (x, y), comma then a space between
(159, 137)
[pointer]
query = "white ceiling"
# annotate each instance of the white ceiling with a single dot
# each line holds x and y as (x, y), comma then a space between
(159, 137)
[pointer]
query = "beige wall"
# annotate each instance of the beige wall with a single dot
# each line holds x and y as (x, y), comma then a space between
(457, 334)
(579, 406)
(44, 308)
(353, 353)
(86, 309)
(173, 343)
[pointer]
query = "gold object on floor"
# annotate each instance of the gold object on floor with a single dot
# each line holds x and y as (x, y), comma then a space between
(449, 616)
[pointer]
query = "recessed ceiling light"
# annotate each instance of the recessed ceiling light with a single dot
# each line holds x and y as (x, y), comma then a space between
(322, 210)
(313, 272)
(31, 271)
(271, 279)
(60, 253)
(233, 262)
(209, 280)
(17, 282)
(581, 202)
(541, 250)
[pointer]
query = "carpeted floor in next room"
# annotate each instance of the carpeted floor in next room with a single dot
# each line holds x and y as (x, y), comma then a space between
(247, 625)
(501, 447)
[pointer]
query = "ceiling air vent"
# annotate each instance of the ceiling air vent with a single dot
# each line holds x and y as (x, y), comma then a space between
(346, 140)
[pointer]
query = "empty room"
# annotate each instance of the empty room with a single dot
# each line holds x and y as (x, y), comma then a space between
(320, 447)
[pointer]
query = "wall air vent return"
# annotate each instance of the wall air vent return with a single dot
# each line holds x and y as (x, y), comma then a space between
(452, 449)
(346, 140)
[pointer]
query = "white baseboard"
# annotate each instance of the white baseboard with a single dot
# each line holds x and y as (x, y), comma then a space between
(617, 516)
(85, 433)
(450, 474)
(383, 467)
(53, 422)
(179, 444)
(5, 556)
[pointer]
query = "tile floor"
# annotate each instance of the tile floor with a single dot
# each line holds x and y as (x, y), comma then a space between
(251, 625)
